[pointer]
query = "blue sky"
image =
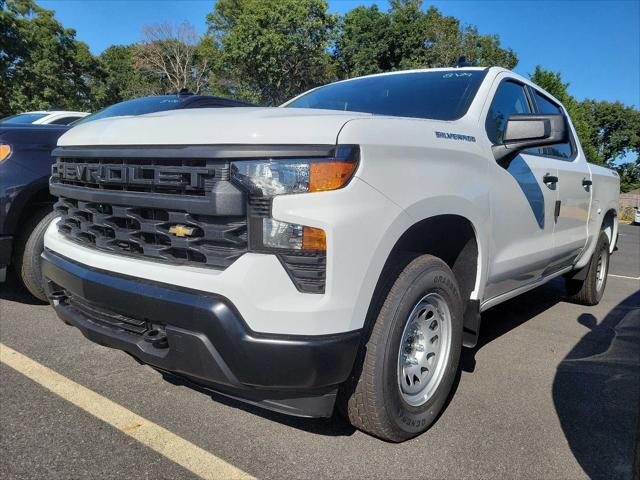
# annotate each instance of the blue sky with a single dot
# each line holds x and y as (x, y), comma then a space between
(595, 44)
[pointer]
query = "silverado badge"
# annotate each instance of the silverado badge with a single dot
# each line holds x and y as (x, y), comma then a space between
(181, 230)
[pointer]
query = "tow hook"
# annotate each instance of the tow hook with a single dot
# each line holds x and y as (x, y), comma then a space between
(57, 297)
(157, 337)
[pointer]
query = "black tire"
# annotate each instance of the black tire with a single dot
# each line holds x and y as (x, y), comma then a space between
(372, 400)
(29, 247)
(589, 291)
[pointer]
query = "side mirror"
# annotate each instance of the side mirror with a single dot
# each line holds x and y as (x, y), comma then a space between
(529, 131)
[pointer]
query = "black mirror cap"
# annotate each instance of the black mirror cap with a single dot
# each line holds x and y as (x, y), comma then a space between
(525, 131)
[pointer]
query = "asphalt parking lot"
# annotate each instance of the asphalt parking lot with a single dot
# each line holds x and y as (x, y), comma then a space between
(552, 391)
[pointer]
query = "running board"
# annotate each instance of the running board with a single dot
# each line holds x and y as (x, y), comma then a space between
(492, 302)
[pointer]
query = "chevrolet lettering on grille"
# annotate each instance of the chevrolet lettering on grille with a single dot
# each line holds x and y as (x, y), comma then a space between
(133, 175)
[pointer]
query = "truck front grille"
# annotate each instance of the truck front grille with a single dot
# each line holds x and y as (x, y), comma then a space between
(174, 210)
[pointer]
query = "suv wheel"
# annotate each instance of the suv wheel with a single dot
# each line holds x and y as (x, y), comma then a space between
(410, 360)
(590, 290)
(29, 247)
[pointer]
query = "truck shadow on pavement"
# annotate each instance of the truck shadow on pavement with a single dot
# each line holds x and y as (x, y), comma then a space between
(596, 393)
(509, 315)
(596, 389)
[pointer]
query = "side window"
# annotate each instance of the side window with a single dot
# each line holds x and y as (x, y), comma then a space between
(563, 151)
(510, 98)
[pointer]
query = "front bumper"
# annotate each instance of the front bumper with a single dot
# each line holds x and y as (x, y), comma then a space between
(202, 338)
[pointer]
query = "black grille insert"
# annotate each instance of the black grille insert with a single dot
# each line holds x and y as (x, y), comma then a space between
(161, 234)
(106, 318)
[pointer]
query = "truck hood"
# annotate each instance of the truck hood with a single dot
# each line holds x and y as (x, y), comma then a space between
(207, 126)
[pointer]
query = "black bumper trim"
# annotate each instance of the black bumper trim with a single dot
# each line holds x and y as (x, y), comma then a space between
(208, 341)
(6, 243)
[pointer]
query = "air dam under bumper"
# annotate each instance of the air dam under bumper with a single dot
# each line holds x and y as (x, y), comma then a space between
(201, 337)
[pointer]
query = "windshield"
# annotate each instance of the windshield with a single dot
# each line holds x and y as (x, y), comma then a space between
(23, 118)
(442, 95)
(138, 106)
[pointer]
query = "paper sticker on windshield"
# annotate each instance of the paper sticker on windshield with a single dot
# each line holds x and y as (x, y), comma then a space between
(457, 74)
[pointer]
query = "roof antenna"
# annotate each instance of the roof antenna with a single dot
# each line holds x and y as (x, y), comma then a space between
(462, 62)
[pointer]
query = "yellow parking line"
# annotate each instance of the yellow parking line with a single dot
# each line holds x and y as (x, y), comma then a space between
(177, 449)
(624, 276)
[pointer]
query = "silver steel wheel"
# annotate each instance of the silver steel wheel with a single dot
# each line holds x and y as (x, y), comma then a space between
(601, 270)
(424, 349)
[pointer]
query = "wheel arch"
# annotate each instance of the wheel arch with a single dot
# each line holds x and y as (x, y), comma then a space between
(453, 238)
(610, 227)
(33, 197)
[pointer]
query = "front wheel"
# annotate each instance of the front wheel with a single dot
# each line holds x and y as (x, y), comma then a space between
(30, 247)
(411, 358)
(590, 290)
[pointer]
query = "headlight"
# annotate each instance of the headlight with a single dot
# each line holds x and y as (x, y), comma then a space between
(5, 151)
(291, 236)
(271, 177)
(300, 248)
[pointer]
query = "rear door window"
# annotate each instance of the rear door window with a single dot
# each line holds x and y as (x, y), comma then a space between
(563, 151)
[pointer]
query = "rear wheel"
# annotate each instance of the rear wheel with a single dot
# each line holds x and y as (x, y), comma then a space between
(29, 247)
(410, 360)
(590, 290)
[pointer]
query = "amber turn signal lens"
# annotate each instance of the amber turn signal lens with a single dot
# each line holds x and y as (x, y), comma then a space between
(5, 151)
(314, 239)
(330, 175)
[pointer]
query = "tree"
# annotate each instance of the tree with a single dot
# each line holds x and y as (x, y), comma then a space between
(371, 41)
(41, 64)
(271, 50)
(629, 176)
(616, 129)
(362, 46)
(171, 54)
(585, 128)
(117, 79)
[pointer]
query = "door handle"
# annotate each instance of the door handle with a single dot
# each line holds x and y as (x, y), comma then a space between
(586, 182)
(548, 178)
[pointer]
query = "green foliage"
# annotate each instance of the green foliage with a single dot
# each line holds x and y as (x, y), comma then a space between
(363, 44)
(117, 79)
(629, 176)
(41, 65)
(370, 41)
(272, 50)
(616, 129)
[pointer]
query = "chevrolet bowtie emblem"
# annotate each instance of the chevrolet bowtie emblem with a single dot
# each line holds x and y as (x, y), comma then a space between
(181, 231)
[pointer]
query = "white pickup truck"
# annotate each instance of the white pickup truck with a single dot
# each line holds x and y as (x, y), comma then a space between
(337, 250)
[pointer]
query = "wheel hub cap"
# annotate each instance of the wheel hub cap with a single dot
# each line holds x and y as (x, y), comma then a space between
(424, 349)
(601, 270)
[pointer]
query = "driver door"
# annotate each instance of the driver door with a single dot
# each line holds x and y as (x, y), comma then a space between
(523, 202)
